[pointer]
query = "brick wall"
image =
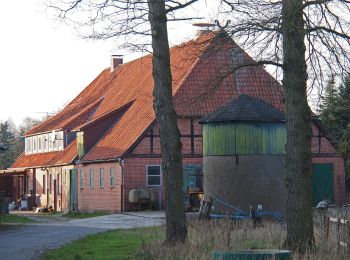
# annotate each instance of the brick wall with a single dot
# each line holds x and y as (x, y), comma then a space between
(135, 177)
(98, 198)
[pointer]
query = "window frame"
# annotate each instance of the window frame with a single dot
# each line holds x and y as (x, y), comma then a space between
(51, 183)
(30, 145)
(112, 185)
(44, 184)
(60, 140)
(81, 179)
(35, 144)
(160, 175)
(91, 178)
(59, 186)
(45, 143)
(39, 144)
(102, 178)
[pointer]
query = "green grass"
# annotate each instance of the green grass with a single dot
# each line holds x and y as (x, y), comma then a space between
(11, 219)
(117, 244)
(84, 215)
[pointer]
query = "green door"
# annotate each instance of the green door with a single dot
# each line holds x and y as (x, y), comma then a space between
(73, 191)
(322, 182)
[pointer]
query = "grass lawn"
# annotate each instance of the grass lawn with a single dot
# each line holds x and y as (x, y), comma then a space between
(6, 219)
(117, 244)
(84, 215)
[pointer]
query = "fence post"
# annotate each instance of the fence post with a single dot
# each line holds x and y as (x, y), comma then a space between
(338, 234)
(347, 235)
(327, 226)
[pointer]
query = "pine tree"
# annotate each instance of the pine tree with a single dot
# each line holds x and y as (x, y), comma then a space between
(335, 111)
(335, 115)
(8, 140)
(329, 111)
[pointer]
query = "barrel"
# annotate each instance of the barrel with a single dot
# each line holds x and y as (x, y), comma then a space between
(268, 254)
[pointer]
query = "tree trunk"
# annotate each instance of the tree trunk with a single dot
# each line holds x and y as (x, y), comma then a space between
(300, 235)
(176, 228)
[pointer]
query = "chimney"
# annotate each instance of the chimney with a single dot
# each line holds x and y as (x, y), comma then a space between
(116, 60)
(203, 28)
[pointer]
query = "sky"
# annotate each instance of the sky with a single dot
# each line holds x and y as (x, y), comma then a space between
(44, 64)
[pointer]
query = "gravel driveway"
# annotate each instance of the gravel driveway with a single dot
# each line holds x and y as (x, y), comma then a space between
(30, 241)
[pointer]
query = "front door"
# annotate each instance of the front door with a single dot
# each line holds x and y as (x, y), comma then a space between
(73, 190)
(322, 182)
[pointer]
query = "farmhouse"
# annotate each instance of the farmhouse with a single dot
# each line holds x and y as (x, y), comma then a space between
(105, 142)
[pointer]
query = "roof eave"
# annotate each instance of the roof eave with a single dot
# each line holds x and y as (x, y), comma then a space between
(116, 159)
(240, 120)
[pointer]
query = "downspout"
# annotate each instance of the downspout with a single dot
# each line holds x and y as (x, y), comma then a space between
(47, 186)
(122, 165)
(61, 187)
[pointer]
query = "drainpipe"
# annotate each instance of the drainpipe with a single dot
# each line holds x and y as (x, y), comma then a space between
(122, 165)
(47, 186)
(61, 175)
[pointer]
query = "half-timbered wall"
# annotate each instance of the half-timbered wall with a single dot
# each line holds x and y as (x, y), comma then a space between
(191, 138)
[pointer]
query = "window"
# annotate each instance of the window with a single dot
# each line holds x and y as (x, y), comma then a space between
(50, 143)
(54, 144)
(26, 145)
(102, 172)
(112, 176)
(59, 183)
(39, 144)
(46, 141)
(51, 181)
(154, 176)
(91, 178)
(44, 184)
(60, 140)
(81, 176)
(30, 140)
(35, 142)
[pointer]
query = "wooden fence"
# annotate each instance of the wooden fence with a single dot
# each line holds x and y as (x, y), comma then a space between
(338, 231)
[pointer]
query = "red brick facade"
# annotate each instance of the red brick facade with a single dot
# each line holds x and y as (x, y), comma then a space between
(95, 194)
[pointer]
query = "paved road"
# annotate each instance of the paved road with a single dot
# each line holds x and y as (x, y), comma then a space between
(30, 241)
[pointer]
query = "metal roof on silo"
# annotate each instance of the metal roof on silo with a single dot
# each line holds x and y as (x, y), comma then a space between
(245, 108)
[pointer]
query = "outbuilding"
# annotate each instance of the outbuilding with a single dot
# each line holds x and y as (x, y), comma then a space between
(244, 157)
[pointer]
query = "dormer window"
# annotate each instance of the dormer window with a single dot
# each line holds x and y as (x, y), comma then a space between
(44, 143)
(39, 143)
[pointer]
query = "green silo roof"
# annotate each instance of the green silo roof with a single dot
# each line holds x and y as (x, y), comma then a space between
(245, 108)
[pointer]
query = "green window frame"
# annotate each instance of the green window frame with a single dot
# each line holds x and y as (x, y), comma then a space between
(102, 172)
(91, 178)
(81, 179)
(112, 176)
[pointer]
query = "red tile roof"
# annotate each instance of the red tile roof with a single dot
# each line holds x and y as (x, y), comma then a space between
(64, 157)
(197, 87)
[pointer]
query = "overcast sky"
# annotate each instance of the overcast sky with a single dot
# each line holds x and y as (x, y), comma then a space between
(44, 65)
